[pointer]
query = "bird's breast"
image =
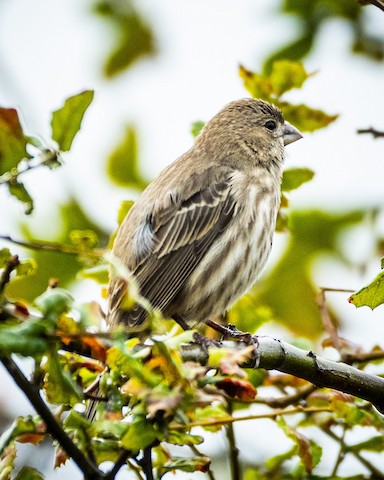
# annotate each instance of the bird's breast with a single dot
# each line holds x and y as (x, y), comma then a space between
(237, 258)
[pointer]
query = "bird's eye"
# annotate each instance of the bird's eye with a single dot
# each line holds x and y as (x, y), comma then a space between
(271, 125)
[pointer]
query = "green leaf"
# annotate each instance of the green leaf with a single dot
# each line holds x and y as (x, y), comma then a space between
(295, 177)
(305, 118)
(106, 450)
(257, 85)
(351, 414)
(66, 121)
(196, 127)
(29, 473)
(133, 37)
(5, 255)
(127, 364)
(176, 437)
(84, 238)
(287, 75)
(13, 143)
(54, 302)
(18, 190)
(195, 464)
(109, 429)
(26, 267)
(123, 163)
(60, 388)
(27, 338)
(372, 295)
(140, 434)
(77, 424)
(293, 51)
(308, 451)
(274, 462)
(99, 274)
(20, 426)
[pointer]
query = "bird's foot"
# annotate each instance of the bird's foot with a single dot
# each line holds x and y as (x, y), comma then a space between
(204, 341)
(230, 331)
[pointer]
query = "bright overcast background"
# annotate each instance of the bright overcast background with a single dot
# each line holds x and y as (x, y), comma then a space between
(52, 49)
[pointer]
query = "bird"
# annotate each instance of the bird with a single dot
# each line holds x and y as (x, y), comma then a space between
(200, 234)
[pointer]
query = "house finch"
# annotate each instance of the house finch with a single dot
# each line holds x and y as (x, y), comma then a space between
(200, 234)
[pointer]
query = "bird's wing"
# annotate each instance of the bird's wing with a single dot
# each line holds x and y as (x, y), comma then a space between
(182, 235)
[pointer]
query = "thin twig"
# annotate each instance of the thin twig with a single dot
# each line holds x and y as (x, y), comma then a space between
(375, 133)
(228, 420)
(53, 247)
(286, 400)
(364, 357)
(135, 469)
(326, 319)
(46, 158)
(233, 449)
(197, 453)
(339, 290)
(90, 470)
(341, 454)
(12, 263)
(377, 474)
(376, 3)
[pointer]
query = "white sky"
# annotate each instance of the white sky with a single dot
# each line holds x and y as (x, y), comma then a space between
(50, 50)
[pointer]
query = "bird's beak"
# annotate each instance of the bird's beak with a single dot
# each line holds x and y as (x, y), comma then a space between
(290, 133)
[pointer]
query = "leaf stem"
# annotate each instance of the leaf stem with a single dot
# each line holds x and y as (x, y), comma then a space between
(46, 157)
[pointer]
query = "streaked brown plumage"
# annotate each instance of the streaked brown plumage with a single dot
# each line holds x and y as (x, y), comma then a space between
(200, 234)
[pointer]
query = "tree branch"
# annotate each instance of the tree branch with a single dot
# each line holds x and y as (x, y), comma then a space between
(90, 471)
(52, 247)
(272, 354)
(375, 133)
(376, 3)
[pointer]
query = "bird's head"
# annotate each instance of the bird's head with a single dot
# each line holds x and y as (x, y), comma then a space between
(254, 125)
